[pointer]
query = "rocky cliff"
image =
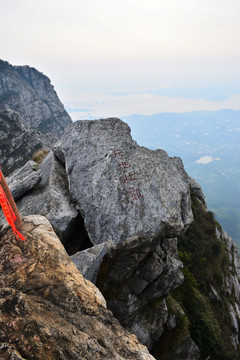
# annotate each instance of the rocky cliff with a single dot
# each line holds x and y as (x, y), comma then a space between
(30, 93)
(209, 294)
(125, 215)
(17, 142)
(48, 310)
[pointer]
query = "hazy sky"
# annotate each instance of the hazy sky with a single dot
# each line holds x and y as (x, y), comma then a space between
(114, 58)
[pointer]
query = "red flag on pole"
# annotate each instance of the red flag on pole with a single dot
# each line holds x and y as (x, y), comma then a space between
(8, 212)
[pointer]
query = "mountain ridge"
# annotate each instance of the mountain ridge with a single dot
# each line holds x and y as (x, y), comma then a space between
(30, 93)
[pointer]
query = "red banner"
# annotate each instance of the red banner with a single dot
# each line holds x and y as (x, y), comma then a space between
(8, 212)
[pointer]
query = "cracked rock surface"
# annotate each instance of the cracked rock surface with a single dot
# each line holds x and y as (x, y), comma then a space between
(123, 189)
(136, 201)
(17, 142)
(48, 310)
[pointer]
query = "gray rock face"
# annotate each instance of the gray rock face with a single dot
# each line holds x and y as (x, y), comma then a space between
(232, 284)
(196, 188)
(147, 331)
(135, 278)
(17, 142)
(31, 94)
(50, 198)
(48, 310)
(136, 201)
(24, 180)
(187, 350)
(88, 261)
(122, 189)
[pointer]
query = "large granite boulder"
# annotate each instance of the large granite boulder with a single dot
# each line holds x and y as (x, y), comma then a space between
(48, 310)
(49, 198)
(124, 190)
(88, 261)
(136, 201)
(24, 179)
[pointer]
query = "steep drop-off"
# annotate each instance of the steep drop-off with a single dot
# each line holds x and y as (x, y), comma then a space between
(209, 294)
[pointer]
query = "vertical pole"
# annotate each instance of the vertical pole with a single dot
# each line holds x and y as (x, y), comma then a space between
(18, 221)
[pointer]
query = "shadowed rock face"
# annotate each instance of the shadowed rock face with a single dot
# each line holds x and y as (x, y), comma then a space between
(48, 310)
(30, 93)
(17, 142)
(135, 280)
(50, 198)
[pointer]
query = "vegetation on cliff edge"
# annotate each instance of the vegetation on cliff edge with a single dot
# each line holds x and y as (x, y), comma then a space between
(206, 265)
(203, 295)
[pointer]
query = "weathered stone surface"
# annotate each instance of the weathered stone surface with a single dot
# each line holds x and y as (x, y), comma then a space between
(51, 198)
(213, 295)
(149, 331)
(187, 350)
(24, 179)
(30, 93)
(57, 150)
(233, 279)
(7, 352)
(48, 310)
(175, 342)
(136, 201)
(235, 326)
(122, 189)
(134, 279)
(232, 284)
(17, 143)
(88, 261)
(132, 199)
(196, 188)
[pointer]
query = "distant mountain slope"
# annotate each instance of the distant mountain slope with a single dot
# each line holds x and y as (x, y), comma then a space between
(30, 93)
(209, 144)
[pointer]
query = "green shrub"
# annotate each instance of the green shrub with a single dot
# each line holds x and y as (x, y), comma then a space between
(206, 262)
(39, 155)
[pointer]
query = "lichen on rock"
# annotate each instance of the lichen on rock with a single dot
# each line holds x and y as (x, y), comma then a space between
(48, 310)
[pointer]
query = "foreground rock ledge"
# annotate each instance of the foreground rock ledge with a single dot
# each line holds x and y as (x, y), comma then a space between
(48, 310)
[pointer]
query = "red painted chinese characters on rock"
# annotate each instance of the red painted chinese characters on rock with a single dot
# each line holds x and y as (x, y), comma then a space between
(128, 177)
